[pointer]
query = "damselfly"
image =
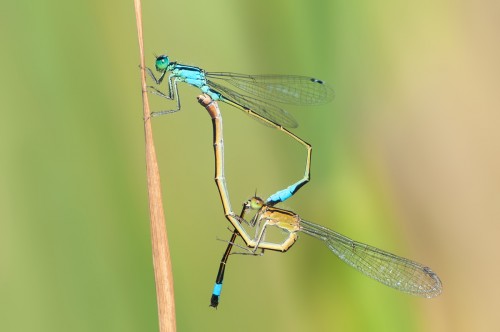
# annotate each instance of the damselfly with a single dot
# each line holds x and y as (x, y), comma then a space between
(253, 94)
(394, 271)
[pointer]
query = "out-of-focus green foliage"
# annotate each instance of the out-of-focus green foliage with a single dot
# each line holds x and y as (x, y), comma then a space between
(389, 163)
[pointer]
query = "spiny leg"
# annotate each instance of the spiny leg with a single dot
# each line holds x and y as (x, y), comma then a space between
(173, 94)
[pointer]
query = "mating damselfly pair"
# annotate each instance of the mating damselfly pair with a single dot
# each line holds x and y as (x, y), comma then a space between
(256, 95)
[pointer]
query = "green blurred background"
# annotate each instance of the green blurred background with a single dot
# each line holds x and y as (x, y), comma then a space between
(406, 158)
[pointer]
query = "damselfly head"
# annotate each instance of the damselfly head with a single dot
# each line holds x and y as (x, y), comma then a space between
(162, 63)
(256, 203)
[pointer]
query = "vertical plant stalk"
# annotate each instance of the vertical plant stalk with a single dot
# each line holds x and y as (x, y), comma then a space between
(161, 253)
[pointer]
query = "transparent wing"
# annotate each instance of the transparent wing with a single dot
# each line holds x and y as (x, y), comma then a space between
(394, 271)
(261, 107)
(289, 89)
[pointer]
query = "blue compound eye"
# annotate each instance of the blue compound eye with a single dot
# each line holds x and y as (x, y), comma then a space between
(162, 62)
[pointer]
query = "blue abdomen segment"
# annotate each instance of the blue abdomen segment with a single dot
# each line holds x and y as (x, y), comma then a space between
(217, 289)
(214, 300)
(285, 194)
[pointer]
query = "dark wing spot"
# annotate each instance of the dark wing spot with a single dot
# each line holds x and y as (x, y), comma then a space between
(314, 80)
